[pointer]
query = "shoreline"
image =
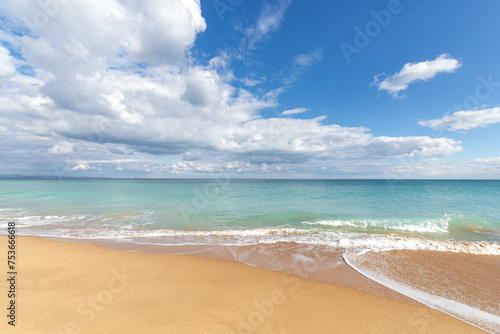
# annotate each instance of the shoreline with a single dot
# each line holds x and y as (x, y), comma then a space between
(66, 286)
(465, 286)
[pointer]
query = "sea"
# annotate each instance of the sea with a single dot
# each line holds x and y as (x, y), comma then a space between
(371, 222)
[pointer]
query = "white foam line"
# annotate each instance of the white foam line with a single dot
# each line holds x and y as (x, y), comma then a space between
(438, 303)
(272, 235)
(437, 225)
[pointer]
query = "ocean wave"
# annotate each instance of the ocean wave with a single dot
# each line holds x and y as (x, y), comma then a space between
(420, 225)
(427, 233)
(313, 236)
(27, 219)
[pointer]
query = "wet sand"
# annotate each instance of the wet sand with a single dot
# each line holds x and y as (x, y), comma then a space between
(67, 287)
(473, 280)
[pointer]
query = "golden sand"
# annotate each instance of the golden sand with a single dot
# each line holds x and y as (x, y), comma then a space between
(66, 287)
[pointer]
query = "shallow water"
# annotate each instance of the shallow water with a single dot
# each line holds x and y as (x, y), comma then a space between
(432, 210)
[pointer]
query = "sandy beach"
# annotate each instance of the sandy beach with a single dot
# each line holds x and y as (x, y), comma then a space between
(64, 287)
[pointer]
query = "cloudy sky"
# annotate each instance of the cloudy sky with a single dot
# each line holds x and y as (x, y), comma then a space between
(273, 88)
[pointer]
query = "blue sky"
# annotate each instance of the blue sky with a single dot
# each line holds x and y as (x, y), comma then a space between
(292, 89)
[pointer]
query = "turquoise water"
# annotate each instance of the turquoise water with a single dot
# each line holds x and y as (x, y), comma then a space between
(346, 213)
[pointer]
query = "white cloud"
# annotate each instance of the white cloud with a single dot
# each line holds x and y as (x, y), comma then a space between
(61, 148)
(278, 140)
(413, 72)
(295, 111)
(465, 120)
(309, 59)
(153, 31)
(170, 28)
(192, 155)
(250, 82)
(204, 88)
(7, 67)
(81, 167)
(268, 22)
(405, 168)
(93, 105)
(488, 168)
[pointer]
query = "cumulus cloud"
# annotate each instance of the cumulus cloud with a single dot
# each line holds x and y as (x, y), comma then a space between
(152, 31)
(278, 140)
(413, 72)
(192, 155)
(7, 67)
(295, 111)
(465, 120)
(103, 99)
